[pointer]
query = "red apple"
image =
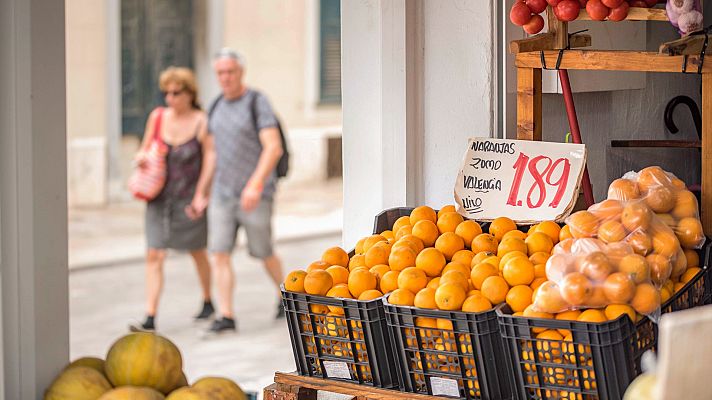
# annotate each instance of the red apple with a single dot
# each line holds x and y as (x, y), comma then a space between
(619, 13)
(520, 13)
(596, 10)
(612, 3)
(536, 6)
(535, 25)
(568, 10)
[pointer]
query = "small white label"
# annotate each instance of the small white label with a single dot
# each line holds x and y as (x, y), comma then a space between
(444, 387)
(337, 369)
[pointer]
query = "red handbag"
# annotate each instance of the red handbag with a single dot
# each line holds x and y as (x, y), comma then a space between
(149, 177)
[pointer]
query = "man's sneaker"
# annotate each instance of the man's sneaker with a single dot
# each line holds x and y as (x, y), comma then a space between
(222, 325)
(207, 311)
(146, 326)
(280, 311)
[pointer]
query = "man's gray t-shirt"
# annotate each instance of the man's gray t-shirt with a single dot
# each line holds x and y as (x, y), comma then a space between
(237, 142)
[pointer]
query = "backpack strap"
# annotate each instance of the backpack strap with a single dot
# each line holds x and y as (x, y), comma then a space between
(213, 105)
(253, 110)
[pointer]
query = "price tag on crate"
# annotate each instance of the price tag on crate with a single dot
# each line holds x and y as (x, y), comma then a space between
(527, 181)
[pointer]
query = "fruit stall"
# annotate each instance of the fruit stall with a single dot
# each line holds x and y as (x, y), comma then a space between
(519, 289)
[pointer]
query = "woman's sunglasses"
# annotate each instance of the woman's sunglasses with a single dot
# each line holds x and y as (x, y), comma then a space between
(173, 92)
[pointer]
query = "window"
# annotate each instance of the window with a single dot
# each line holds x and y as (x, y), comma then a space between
(330, 52)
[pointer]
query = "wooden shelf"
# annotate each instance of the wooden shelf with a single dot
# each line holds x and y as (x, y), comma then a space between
(610, 60)
(680, 144)
(634, 14)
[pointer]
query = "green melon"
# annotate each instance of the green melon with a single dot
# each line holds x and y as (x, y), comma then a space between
(220, 388)
(91, 362)
(187, 393)
(78, 383)
(132, 393)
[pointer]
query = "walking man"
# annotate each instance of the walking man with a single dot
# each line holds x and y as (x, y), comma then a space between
(246, 148)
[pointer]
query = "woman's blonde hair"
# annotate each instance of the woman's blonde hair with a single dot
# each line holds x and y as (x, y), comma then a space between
(181, 76)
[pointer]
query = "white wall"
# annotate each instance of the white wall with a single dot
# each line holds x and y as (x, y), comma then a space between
(417, 80)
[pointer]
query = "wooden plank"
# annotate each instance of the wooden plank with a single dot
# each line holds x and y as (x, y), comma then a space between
(634, 14)
(611, 60)
(334, 386)
(690, 45)
(706, 206)
(529, 104)
(686, 144)
(545, 41)
(278, 391)
(560, 30)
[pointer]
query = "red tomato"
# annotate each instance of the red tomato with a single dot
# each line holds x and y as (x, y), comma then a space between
(651, 3)
(520, 13)
(535, 25)
(639, 3)
(611, 3)
(568, 10)
(619, 13)
(583, 3)
(553, 3)
(536, 6)
(596, 10)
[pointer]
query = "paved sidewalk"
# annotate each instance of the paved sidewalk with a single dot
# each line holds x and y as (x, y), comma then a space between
(114, 234)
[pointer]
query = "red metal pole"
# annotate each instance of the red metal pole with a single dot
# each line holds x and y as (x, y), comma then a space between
(575, 132)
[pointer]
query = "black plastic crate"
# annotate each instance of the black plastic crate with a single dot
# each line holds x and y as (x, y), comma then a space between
(385, 219)
(352, 347)
(466, 362)
(602, 358)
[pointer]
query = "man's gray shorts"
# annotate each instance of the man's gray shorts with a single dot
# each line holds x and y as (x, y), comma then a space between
(225, 217)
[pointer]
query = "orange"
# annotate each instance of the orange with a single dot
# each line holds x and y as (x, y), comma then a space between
(611, 231)
(455, 277)
(539, 271)
(640, 242)
(412, 279)
(693, 259)
(550, 229)
(294, 282)
(359, 260)
(338, 291)
(678, 183)
(431, 261)
(335, 256)
(539, 242)
(679, 264)
(412, 241)
(389, 235)
(480, 257)
(537, 282)
(582, 224)
(660, 199)
(592, 315)
(449, 243)
(623, 190)
(358, 249)
(595, 266)
(685, 205)
(667, 219)
(423, 213)
(665, 242)
(548, 298)
(449, 296)
(510, 256)
(425, 298)
(635, 266)
(619, 288)
(404, 231)
(361, 280)
(401, 222)
(481, 272)
(495, 289)
(456, 266)
(422, 322)
(616, 251)
(378, 254)
(446, 209)
(665, 294)
(607, 210)
(613, 311)
(515, 234)
(434, 283)
(652, 177)
(576, 288)
(444, 324)
(468, 230)
(389, 281)
(379, 270)
(598, 298)
(319, 309)
(372, 240)
(676, 288)
(476, 303)
(426, 231)
(318, 282)
(317, 265)
(539, 257)
(402, 257)
(636, 215)
(660, 268)
(549, 346)
(484, 242)
(565, 233)
(689, 274)
(519, 297)
(494, 260)
(511, 244)
(531, 312)
(500, 226)
(646, 299)
(401, 297)
(370, 294)
(518, 271)
(448, 222)
(338, 274)
(689, 231)
(571, 315)
(463, 257)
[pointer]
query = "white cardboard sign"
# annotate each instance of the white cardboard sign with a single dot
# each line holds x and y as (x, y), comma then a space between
(527, 181)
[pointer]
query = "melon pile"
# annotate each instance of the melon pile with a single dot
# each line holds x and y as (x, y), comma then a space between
(139, 366)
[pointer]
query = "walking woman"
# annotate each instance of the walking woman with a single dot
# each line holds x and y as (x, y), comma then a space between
(176, 219)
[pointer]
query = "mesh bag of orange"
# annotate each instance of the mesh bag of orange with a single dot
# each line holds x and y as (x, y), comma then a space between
(625, 249)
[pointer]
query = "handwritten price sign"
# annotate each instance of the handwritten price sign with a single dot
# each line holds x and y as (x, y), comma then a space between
(527, 181)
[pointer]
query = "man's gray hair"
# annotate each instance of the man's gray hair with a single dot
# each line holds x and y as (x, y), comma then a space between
(227, 52)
